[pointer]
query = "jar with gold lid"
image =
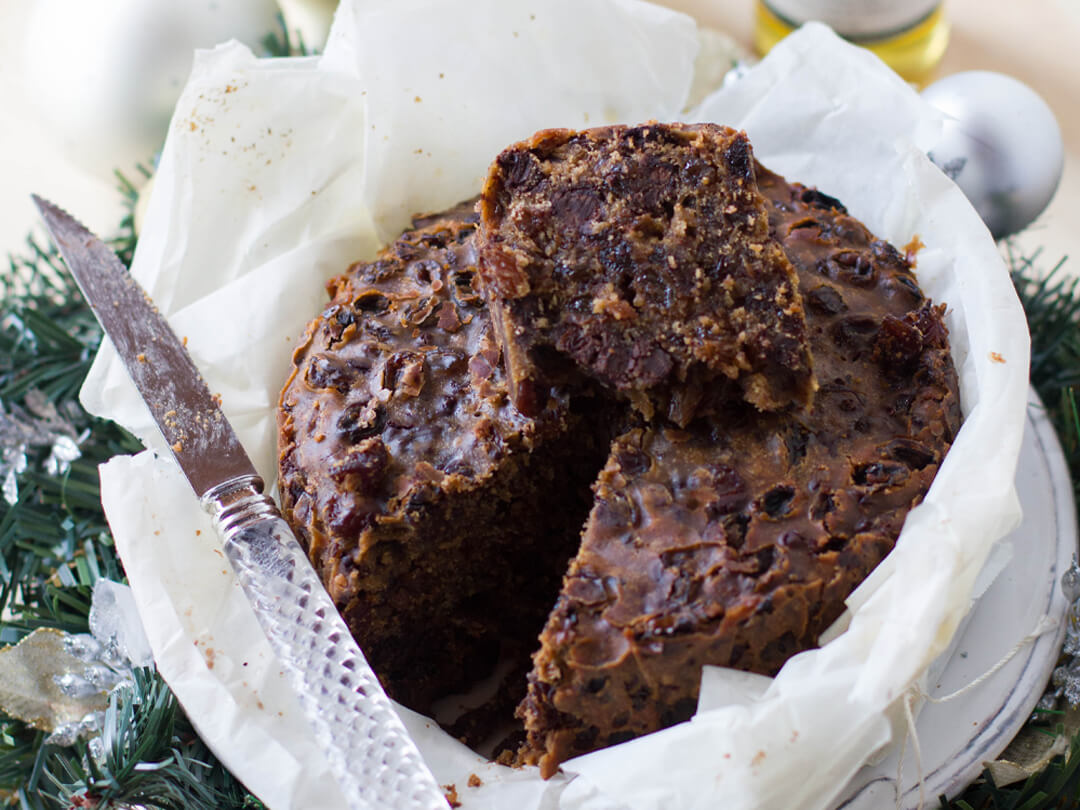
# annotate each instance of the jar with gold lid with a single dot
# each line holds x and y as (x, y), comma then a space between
(909, 35)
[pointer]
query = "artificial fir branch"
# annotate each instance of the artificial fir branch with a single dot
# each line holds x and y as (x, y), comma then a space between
(151, 757)
(284, 42)
(1051, 301)
(1056, 787)
(55, 543)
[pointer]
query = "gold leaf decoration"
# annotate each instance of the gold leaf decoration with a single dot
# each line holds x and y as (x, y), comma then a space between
(28, 688)
(1032, 749)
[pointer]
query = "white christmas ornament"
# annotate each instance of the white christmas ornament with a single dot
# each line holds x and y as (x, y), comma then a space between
(105, 74)
(1003, 146)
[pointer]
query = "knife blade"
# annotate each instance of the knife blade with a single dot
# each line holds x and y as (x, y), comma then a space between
(367, 747)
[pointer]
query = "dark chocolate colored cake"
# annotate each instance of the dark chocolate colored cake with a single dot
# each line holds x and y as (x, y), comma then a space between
(642, 257)
(442, 519)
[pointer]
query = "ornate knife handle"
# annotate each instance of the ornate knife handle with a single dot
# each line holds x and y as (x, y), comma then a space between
(376, 764)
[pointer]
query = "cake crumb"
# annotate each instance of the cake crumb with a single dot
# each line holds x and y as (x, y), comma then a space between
(451, 795)
(912, 248)
(996, 358)
(475, 781)
(507, 758)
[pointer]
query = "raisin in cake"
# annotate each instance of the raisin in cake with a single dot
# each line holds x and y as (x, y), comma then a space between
(642, 257)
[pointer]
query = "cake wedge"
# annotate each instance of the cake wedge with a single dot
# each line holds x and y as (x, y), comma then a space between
(641, 257)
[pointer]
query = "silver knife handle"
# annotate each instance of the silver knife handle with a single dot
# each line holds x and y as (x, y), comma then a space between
(376, 764)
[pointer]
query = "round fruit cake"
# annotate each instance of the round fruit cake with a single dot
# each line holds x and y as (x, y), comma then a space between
(448, 525)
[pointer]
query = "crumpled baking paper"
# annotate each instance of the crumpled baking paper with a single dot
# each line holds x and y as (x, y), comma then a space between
(278, 174)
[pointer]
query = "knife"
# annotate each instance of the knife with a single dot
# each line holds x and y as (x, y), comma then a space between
(369, 751)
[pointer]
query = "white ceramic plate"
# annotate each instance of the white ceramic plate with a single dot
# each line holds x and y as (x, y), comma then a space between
(957, 737)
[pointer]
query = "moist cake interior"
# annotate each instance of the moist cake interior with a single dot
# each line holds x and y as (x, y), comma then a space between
(641, 257)
(735, 541)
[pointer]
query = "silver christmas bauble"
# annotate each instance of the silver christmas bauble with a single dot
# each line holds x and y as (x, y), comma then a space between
(1002, 145)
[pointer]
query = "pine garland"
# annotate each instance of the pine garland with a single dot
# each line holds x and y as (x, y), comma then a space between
(1052, 303)
(151, 758)
(54, 542)
(1056, 787)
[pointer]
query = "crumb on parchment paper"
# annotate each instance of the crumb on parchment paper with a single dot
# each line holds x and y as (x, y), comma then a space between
(911, 250)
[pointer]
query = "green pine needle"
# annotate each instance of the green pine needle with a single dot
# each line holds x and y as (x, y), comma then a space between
(1056, 787)
(283, 42)
(152, 758)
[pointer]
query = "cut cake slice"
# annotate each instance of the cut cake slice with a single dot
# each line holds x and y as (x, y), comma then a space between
(641, 257)
(420, 494)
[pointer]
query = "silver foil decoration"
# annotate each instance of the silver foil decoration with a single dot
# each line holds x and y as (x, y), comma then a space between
(37, 425)
(115, 646)
(69, 733)
(1065, 680)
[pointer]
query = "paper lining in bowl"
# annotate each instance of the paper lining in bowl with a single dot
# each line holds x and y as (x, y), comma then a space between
(277, 175)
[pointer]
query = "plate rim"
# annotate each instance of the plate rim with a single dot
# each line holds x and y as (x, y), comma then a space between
(950, 777)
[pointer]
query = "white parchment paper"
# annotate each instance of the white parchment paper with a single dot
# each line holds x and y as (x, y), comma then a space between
(278, 174)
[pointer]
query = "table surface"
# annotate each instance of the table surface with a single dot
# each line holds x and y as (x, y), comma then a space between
(1037, 41)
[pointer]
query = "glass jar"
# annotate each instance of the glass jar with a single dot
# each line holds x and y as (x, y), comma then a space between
(909, 35)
